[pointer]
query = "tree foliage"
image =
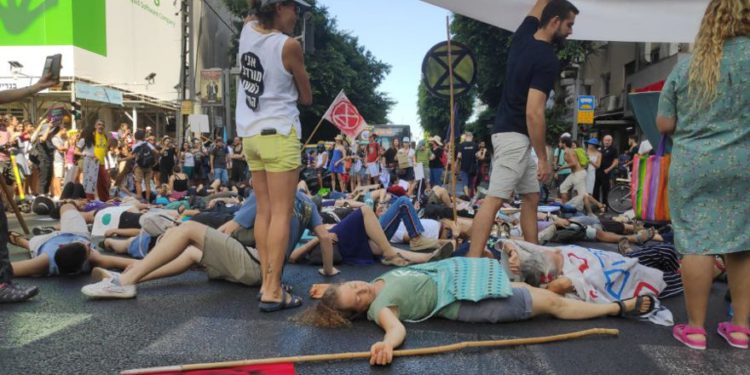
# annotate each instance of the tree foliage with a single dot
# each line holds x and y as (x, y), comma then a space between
(434, 111)
(339, 62)
(490, 45)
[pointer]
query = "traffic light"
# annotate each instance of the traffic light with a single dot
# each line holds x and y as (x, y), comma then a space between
(75, 109)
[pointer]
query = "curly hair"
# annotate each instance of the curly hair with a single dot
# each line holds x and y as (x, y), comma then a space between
(326, 313)
(724, 19)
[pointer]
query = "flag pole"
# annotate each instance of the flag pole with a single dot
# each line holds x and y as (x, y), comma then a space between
(313, 132)
(453, 118)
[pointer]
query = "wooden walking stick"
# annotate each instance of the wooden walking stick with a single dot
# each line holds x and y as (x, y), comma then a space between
(366, 355)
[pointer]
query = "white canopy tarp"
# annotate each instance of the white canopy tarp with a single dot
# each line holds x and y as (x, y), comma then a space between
(666, 21)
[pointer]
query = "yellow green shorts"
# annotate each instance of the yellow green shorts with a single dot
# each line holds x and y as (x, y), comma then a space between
(272, 153)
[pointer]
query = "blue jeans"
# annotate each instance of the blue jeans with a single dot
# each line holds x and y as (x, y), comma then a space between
(466, 180)
(436, 176)
(221, 175)
(401, 210)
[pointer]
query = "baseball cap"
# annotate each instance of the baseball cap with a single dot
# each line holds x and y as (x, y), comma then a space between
(301, 3)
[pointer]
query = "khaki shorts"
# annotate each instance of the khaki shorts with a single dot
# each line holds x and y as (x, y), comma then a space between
(513, 170)
(273, 153)
(575, 181)
(141, 174)
(226, 259)
(58, 170)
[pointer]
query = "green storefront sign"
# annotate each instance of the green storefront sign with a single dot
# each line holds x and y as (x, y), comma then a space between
(80, 23)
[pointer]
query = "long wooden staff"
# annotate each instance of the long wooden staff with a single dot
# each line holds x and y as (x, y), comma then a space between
(453, 119)
(365, 355)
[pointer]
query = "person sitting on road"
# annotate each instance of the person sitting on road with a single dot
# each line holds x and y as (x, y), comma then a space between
(478, 291)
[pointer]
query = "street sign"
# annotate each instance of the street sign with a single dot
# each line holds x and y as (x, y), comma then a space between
(586, 107)
(187, 107)
(435, 74)
(586, 103)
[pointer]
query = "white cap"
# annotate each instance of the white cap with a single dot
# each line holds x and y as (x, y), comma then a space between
(566, 135)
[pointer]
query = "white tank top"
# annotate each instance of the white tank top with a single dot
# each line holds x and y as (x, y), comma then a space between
(267, 95)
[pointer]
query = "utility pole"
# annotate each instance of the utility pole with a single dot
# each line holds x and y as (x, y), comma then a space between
(187, 79)
(574, 129)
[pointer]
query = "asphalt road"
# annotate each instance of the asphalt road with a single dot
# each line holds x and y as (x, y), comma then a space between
(188, 319)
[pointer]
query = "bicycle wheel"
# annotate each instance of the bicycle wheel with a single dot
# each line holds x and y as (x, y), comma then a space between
(619, 199)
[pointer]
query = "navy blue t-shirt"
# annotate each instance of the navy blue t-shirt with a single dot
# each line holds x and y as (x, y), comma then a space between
(531, 64)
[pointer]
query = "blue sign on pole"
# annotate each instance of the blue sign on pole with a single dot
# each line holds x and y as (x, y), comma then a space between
(98, 93)
(586, 103)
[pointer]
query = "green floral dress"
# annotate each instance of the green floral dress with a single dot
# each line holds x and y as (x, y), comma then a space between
(709, 178)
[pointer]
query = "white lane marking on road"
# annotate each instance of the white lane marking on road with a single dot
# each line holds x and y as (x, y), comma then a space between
(719, 358)
(19, 329)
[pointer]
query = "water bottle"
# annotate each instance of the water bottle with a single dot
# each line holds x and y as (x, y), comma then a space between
(368, 200)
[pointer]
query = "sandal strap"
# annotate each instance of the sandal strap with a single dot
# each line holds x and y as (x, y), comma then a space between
(688, 330)
(731, 328)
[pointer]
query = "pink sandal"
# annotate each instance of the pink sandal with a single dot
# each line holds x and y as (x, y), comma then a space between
(681, 332)
(726, 329)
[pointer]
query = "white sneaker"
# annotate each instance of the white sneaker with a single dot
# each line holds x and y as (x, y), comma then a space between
(109, 288)
(99, 274)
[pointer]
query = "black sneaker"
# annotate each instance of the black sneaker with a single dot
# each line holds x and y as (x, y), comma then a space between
(13, 293)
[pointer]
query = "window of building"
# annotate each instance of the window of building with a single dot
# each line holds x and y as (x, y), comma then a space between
(606, 80)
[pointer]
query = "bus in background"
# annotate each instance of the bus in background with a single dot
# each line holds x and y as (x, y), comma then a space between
(386, 133)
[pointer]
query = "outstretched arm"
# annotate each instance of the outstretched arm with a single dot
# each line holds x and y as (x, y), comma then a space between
(109, 261)
(31, 267)
(381, 353)
(9, 96)
(304, 249)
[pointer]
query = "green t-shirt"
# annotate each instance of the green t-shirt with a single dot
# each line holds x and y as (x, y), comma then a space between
(423, 155)
(413, 293)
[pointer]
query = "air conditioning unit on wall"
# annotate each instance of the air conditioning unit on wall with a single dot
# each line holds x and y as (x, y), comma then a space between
(610, 103)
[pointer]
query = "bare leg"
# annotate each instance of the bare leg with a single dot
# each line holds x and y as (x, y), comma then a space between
(333, 181)
(483, 221)
(31, 267)
(545, 302)
(172, 244)
(190, 257)
(118, 246)
(529, 203)
(88, 216)
(738, 269)
(411, 256)
(444, 196)
(697, 277)
(262, 221)
(279, 203)
(375, 232)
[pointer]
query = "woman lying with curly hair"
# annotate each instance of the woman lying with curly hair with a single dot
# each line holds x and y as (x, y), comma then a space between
(473, 290)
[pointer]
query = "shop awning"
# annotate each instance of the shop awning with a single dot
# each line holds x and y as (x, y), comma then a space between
(669, 21)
